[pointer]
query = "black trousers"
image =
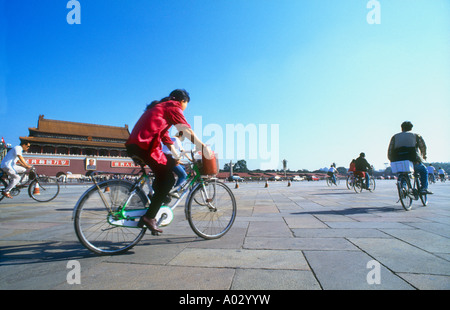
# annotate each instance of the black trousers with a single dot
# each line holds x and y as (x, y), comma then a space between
(164, 178)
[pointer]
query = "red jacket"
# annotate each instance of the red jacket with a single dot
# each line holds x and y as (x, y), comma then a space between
(152, 128)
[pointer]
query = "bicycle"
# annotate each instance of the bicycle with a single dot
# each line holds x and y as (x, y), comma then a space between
(360, 182)
(40, 188)
(331, 182)
(408, 193)
(431, 178)
(106, 221)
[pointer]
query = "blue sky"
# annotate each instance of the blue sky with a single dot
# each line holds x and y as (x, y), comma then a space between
(333, 84)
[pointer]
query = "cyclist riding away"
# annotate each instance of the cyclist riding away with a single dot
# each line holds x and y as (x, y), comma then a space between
(406, 146)
(441, 174)
(352, 167)
(362, 168)
(10, 167)
(431, 172)
(144, 145)
(332, 172)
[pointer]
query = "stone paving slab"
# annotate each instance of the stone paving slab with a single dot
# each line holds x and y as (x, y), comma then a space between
(400, 256)
(303, 237)
(242, 258)
(342, 270)
(330, 244)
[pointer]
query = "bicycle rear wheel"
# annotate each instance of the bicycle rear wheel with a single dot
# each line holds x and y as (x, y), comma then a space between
(424, 199)
(358, 185)
(43, 189)
(404, 188)
(95, 223)
(215, 214)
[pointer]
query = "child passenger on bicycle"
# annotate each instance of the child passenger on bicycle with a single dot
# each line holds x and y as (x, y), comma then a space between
(177, 152)
(144, 145)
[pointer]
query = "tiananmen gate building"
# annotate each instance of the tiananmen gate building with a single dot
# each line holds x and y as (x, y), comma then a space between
(62, 147)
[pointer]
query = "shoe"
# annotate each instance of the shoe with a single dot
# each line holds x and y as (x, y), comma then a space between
(150, 224)
(174, 195)
(7, 195)
(426, 192)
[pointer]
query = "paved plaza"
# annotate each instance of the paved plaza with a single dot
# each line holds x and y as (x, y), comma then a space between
(303, 237)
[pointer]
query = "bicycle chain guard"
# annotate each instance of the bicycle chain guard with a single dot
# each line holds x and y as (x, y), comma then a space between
(131, 218)
(164, 216)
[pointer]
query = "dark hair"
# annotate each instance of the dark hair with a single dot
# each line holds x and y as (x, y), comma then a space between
(407, 126)
(23, 142)
(180, 95)
(177, 95)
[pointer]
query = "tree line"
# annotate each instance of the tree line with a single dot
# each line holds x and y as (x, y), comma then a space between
(241, 166)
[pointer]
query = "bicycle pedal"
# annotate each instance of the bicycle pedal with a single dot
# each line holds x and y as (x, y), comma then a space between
(155, 233)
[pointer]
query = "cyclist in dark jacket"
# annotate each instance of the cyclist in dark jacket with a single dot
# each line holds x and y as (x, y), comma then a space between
(406, 146)
(362, 165)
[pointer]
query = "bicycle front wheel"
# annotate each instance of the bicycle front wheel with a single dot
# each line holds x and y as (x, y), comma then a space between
(43, 189)
(211, 209)
(372, 184)
(350, 181)
(96, 213)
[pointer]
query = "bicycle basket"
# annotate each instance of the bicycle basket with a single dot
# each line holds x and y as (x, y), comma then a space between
(209, 166)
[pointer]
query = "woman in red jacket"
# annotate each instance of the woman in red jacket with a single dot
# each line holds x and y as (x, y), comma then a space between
(145, 145)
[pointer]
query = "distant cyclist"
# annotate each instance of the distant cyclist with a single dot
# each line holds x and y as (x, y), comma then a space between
(10, 167)
(406, 146)
(332, 171)
(441, 173)
(431, 172)
(362, 165)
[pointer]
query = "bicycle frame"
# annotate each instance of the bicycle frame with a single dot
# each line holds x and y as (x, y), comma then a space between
(16, 190)
(129, 218)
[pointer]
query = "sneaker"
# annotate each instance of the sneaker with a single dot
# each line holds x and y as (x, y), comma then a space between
(426, 192)
(174, 195)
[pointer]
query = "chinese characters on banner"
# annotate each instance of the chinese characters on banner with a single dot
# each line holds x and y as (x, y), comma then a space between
(47, 162)
(123, 164)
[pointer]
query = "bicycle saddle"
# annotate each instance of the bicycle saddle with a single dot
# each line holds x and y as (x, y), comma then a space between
(138, 161)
